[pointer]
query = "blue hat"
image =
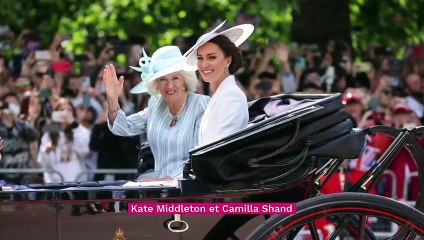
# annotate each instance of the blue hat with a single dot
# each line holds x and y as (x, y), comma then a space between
(237, 35)
(165, 60)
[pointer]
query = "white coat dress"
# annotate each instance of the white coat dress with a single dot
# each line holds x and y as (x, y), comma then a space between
(225, 114)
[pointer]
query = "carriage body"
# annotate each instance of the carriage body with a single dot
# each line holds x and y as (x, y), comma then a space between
(275, 159)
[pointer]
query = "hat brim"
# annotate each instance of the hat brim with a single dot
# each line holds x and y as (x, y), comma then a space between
(142, 86)
(203, 37)
(401, 109)
(237, 35)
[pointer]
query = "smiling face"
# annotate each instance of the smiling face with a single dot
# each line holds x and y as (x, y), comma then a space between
(211, 62)
(171, 86)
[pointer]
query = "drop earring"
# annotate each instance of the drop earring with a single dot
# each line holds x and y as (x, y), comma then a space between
(226, 69)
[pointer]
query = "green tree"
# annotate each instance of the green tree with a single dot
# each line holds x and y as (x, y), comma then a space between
(386, 22)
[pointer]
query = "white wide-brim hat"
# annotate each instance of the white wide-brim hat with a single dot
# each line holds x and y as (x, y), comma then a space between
(237, 35)
(165, 60)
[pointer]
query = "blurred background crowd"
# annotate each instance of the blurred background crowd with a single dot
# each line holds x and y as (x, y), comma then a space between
(53, 108)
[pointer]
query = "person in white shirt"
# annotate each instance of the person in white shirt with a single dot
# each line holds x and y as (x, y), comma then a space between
(64, 145)
(218, 58)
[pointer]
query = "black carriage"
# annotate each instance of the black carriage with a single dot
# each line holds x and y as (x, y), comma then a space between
(293, 145)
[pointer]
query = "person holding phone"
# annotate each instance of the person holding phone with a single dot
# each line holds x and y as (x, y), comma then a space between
(18, 136)
(64, 145)
(174, 111)
(218, 58)
(78, 88)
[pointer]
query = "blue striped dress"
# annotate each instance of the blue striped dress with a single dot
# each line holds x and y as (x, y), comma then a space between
(170, 145)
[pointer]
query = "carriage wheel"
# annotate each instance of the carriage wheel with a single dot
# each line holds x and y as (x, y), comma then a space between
(348, 216)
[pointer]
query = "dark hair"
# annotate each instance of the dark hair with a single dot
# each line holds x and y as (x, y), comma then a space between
(5, 60)
(94, 114)
(309, 85)
(137, 39)
(362, 80)
(264, 85)
(230, 50)
(267, 75)
(10, 94)
(68, 130)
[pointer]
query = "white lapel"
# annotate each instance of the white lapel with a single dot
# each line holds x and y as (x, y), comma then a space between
(225, 84)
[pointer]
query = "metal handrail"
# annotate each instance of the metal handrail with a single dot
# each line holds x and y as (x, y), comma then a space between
(83, 172)
(31, 170)
(106, 171)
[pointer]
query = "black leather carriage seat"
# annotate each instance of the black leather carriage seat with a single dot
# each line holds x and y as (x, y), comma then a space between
(283, 131)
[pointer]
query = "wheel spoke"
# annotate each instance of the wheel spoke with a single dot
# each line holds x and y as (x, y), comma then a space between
(403, 234)
(313, 230)
(411, 236)
(293, 233)
(362, 222)
(345, 215)
(335, 233)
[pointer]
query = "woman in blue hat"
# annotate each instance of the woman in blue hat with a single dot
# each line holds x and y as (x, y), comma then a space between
(174, 111)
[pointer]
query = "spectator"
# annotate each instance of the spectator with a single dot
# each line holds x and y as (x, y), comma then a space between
(78, 89)
(1, 146)
(415, 91)
(380, 103)
(5, 75)
(64, 145)
(18, 136)
(110, 147)
(310, 76)
(352, 101)
(403, 116)
(266, 84)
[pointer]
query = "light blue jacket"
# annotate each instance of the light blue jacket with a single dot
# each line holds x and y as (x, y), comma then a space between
(170, 145)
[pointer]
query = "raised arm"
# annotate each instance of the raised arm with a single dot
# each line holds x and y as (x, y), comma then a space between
(113, 88)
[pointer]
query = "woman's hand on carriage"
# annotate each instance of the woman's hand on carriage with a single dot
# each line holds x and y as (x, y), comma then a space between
(153, 179)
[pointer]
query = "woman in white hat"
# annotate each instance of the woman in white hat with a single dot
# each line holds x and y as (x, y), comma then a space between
(172, 118)
(218, 57)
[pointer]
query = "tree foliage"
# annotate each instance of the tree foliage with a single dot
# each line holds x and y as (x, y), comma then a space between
(388, 22)
(385, 22)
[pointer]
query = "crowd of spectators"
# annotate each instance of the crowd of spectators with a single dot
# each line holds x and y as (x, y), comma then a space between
(379, 86)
